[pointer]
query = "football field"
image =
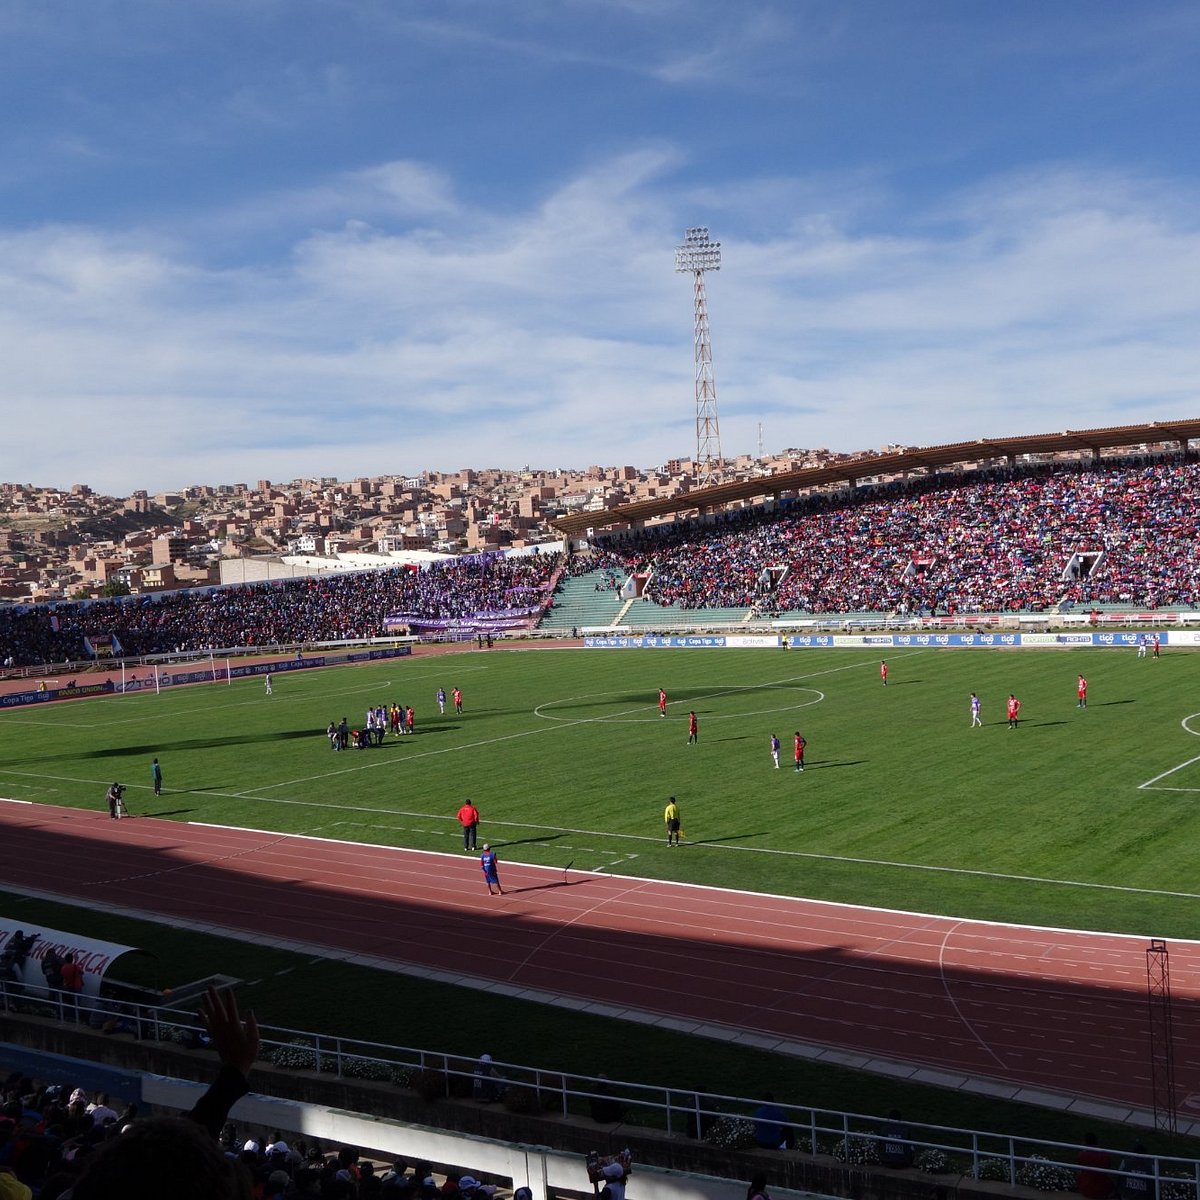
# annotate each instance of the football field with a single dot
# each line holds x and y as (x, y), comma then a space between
(1080, 818)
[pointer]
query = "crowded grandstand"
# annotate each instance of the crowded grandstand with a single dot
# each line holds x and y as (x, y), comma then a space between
(1035, 538)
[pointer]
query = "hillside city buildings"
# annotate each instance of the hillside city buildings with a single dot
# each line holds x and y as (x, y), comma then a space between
(57, 545)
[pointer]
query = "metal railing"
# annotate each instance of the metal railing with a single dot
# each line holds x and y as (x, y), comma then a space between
(855, 1139)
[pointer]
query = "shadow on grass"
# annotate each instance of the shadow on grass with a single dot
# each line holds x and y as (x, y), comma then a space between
(736, 837)
(246, 739)
(549, 837)
(820, 765)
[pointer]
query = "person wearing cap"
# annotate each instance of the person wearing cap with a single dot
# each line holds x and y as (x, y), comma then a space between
(488, 1083)
(347, 1165)
(614, 1176)
(490, 866)
(113, 799)
(469, 1186)
(257, 1166)
(280, 1154)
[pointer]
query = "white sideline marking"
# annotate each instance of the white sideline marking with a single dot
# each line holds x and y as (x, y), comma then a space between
(148, 694)
(984, 922)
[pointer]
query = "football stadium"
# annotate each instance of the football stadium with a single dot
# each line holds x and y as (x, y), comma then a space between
(703, 842)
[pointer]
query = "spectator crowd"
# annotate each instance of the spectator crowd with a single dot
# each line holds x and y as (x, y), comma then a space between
(288, 612)
(1007, 541)
(1027, 539)
(57, 1141)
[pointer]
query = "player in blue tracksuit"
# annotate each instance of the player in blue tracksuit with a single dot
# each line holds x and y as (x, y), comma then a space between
(490, 865)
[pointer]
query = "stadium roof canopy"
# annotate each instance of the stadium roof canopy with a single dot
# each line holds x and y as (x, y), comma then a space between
(851, 470)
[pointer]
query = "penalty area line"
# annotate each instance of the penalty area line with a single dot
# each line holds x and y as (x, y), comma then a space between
(1149, 784)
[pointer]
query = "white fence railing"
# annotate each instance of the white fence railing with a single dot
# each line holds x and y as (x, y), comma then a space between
(855, 1138)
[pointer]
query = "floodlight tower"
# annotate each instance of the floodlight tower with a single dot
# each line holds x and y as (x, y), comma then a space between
(697, 255)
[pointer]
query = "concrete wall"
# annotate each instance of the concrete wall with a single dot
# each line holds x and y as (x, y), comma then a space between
(545, 1171)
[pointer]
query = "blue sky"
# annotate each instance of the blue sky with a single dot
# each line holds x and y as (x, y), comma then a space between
(282, 238)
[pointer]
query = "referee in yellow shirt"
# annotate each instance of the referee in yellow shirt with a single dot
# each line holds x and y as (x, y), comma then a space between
(671, 817)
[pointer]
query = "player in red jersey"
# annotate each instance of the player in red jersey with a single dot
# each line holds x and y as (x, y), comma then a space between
(798, 744)
(1081, 691)
(693, 728)
(883, 671)
(662, 703)
(1014, 710)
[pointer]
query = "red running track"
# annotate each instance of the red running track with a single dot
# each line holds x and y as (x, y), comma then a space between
(1044, 1009)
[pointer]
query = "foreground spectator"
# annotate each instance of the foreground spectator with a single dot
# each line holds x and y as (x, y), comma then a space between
(758, 1188)
(1091, 1182)
(770, 1125)
(895, 1149)
(181, 1156)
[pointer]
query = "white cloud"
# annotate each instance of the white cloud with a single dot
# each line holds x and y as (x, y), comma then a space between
(437, 335)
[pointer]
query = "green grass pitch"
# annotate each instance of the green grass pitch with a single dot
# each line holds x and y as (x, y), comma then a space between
(1082, 819)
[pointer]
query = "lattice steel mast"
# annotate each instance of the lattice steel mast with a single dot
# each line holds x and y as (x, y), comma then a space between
(697, 255)
(1162, 1034)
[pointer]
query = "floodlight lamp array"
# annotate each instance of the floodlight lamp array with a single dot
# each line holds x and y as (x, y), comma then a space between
(698, 253)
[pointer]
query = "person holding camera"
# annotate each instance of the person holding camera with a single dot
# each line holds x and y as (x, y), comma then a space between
(116, 805)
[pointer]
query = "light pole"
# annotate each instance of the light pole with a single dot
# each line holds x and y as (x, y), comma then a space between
(697, 255)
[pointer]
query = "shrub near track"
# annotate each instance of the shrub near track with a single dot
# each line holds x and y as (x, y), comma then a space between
(902, 804)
